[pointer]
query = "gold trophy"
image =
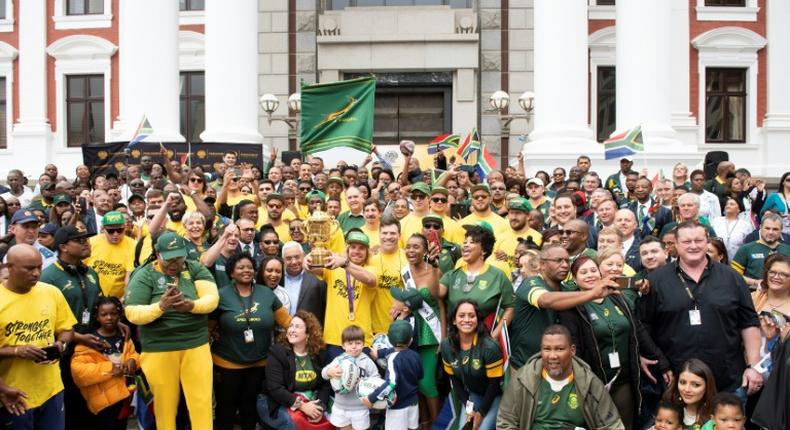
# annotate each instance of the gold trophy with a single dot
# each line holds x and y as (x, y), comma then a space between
(318, 229)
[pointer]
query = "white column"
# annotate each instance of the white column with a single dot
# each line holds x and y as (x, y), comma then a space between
(149, 81)
(679, 66)
(231, 72)
(777, 119)
(32, 132)
(644, 87)
(561, 79)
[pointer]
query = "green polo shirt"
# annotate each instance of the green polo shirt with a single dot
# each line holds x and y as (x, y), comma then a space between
(474, 366)
(449, 254)
(218, 270)
(750, 258)
(486, 289)
(347, 221)
(529, 320)
(558, 409)
(173, 331)
(612, 334)
(81, 291)
(233, 321)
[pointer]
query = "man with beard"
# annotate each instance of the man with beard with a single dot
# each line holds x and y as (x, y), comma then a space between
(504, 256)
(387, 265)
(481, 211)
(275, 205)
(91, 217)
(112, 255)
(557, 390)
(538, 299)
(79, 284)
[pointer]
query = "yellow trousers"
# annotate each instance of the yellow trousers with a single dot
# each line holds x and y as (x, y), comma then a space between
(192, 369)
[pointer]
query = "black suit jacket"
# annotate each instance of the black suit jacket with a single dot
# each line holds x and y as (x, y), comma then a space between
(312, 296)
(663, 216)
(281, 378)
(632, 257)
(256, 248)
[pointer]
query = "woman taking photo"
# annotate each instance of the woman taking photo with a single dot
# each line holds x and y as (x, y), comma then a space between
(242, 327)
(693, 389)
(488, 286)
(474, 362)
(733, 227)
(773, 295)
(293, 375)
(604, 331)
(778, 201)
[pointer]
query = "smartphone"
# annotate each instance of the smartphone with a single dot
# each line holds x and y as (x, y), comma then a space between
(458, 210)
(433, 237)
(83, 204)
(624, 281)
(53, 352)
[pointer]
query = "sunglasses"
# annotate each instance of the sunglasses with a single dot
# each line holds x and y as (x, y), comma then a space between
(304, 188)
(114, 230)
(439, 200)
(432, 226)
(196, 180)
(418, 196)
(271, 242)
(480, 196)
(498, 188)
(235, 179)
(567, 232)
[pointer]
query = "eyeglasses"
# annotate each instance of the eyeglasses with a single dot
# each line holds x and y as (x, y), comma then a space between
(417, 196)
(567, 232)
(558, 260)
(439, 200)
(432, 226)
(780, 275)
(196, 180)
(480, 196)
(114, 230)
(271, 242)
(304, 188)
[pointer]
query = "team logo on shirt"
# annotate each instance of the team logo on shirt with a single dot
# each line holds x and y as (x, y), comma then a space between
(91, 278)
(482, 284)
(758, 256)
(242, 316)
(386, 281)
(476, 364)
(573, 401)
(555, 399)
(342, 291)
(68, 286)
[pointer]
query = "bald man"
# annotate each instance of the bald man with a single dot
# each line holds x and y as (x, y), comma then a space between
(35, 315)
(574, 239)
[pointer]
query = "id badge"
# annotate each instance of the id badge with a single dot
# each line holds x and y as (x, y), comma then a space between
(614, 360)
(248, 336)
(695, 318)
(470, 407)
(86, 317)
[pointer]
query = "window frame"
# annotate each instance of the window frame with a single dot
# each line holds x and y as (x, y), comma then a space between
(355, 3)
(190, 9)
(746, 12)
(7, 22)
(447, 100)
(721, 3)
(189, 98)
(64, 21)
(600, 92)
(86, 5)
(86, 100)
(725, 94)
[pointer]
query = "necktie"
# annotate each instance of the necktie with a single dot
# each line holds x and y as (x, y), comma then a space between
(641, 213)
(248, 249)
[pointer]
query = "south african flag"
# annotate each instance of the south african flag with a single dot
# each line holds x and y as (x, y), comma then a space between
(624, 144)
(442, 142)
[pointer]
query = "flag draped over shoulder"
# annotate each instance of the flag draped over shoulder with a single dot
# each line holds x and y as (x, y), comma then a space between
(338, 115)
(624, 144)
(442, 142)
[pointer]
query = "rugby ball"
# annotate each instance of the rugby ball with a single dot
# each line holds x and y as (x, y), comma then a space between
(407, 147)
(381, 341)
(368, 385)
(282, 295)
(350, 378)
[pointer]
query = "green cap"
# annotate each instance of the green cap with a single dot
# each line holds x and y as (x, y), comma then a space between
(519, 204)
(357, 237)
(433, 217)
(113, 218)
(421, 187)
(337, 179)
(440, 190)
(136, 196)
(318, 193)
(399, 333)
(478, 187)
(61, 198)
(482, 224)
(408, 296)
(275, 196)
(170, 245)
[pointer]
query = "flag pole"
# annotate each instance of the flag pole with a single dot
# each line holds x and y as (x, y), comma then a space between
(644, 151)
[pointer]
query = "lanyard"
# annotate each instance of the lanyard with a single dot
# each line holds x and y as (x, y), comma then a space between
(350, 284)
(692, 296)
(245, 307)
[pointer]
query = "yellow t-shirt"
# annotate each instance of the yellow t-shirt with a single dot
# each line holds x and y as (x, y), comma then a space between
(303, 211)
(453, 232)
(508, 243)
(35, 319)
(263, 218)
(500, 225)
(387, 269)
(373, 237)
(176, 226)
(111, 262)
(282, 231)
(410, 224)
(337, 306)
(232, 200)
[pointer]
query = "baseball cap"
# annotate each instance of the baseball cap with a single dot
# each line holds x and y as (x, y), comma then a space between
(318, 193)
(421, 187)
(135, 196)
(69, 232)
(48, 229)
(408, 296)
(357, 237)
(337, 179)
(23, 216)
(478, 187)
(113, 218)
(170, 245)
(440, 190)
(61, 198)
(536, 181)
(399, 333)
(275, 196)
(432, 217)
(519, 204)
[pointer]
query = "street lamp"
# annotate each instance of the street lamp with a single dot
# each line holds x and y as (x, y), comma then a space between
(499, 102)
(269, 103)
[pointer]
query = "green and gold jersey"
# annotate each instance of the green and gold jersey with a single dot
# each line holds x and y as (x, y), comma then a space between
(557, 409)
(306, 377)
(750, 258)
(474, 366)
(485, 289)
(529, 320)
(81, 291)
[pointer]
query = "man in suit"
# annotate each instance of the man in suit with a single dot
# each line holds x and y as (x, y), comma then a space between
(625, 222)
(305, 290)
(247, 242)
(616, 182)
(647, 222)
(602, 217)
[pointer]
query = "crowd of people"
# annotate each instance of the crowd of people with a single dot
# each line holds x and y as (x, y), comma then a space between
(437, 299)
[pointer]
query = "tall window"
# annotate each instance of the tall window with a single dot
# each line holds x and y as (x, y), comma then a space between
(3, 115)
(193, 105)
(192, 4)
(605, 2)
(605, 105)
(2, 9)
(341, 4)
(741, 3)
(84, 109)
(725, 105)
(84, 7)
(417, 114)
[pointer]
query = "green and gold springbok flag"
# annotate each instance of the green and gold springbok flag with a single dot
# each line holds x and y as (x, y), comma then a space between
(338, 115)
